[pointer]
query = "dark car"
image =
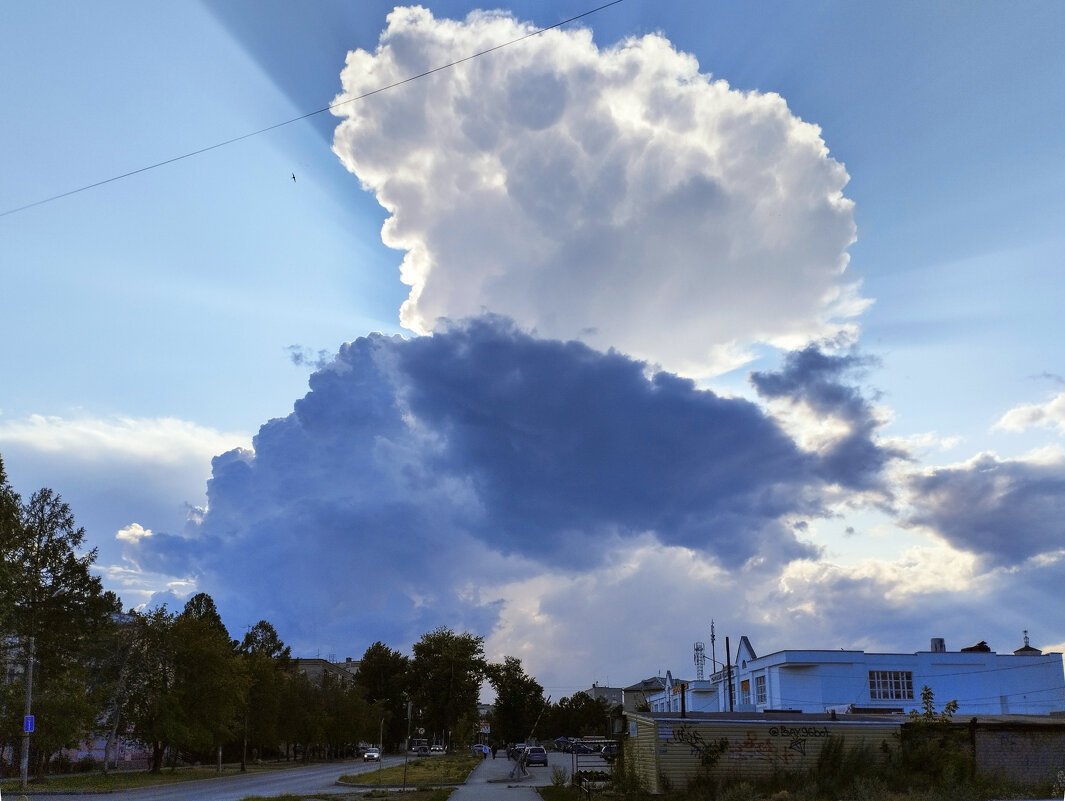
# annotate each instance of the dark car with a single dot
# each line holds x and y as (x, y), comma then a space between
(610, 752)
(581, 748)
(535, 755)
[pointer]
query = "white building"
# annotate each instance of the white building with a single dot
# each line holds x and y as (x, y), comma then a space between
(981, 681)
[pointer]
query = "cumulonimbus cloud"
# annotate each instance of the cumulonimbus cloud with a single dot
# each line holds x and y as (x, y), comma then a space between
(616, 195)
(421, 464)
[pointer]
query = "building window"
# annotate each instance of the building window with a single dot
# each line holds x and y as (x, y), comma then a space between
(890, 685)
(745, 691)
(759, 689)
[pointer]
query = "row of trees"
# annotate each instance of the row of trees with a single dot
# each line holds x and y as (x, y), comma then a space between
(180, 685)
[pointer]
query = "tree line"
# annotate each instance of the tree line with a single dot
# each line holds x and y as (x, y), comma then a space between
(178, 684)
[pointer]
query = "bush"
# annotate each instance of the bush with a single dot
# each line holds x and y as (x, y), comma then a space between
(559, 776)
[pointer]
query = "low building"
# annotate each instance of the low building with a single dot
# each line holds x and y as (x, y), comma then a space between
(614, 696)
(316, 669)
(636, 695)
(983, 682)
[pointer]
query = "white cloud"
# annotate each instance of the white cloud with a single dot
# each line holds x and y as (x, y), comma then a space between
(615, 195)
(132, 533)
(1050, 415)
(163, 440)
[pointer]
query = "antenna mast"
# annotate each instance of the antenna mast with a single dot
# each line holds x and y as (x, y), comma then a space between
(700, 660)
(713, 639)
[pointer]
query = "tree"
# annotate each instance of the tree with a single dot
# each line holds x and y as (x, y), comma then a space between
(445, 678)
(581, 715)
(382, 679)
(151, 703)
(56, 611)
(519, 700)
(266, 660)
(210, 679)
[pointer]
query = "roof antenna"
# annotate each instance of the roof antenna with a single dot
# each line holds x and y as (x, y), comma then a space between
(1026, 638)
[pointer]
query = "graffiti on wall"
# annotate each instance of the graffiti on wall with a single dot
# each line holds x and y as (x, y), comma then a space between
(708, 751)
(780, 745)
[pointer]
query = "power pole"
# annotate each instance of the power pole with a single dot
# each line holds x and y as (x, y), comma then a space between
(24, 764)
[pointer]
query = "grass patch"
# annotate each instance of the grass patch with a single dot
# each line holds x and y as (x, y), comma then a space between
(133, 779)
(437, 794)
(449, 769)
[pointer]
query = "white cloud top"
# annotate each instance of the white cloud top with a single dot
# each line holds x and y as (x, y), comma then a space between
(615, 195)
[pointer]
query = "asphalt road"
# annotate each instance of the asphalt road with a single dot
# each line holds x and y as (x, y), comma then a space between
(313, 779)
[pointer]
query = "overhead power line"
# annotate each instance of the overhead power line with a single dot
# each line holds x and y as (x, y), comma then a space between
(275, 126)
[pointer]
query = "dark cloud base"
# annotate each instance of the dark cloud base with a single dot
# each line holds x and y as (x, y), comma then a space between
(415, 471)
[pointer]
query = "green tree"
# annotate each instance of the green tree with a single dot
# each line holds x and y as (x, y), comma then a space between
(57, 613)
(580, 715)
(519, 700)
(267, 661)
(152, 706)
(382, 678)
(210, 677)
(445, 678)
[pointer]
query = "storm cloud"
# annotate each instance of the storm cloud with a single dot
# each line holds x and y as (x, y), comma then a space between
(417, 470)
(1004, 510)
(825, 384)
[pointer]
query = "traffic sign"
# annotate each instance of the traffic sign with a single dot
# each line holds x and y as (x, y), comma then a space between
(27, 724)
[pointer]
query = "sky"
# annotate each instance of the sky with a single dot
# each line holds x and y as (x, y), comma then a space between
(682, 312)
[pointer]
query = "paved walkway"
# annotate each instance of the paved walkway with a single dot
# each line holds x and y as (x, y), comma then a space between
(491, 780)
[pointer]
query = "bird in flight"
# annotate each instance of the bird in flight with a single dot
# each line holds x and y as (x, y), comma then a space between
(293, 177)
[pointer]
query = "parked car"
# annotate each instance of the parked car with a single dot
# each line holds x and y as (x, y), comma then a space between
(436, 749)
(535, 755)
(422, 751)
(581, 748)
(610, 751)
(372, 755)
(514, 750)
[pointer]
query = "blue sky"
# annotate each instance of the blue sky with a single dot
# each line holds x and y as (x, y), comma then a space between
(899, 452)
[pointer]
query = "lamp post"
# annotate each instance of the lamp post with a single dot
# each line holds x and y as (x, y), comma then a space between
(380, 750)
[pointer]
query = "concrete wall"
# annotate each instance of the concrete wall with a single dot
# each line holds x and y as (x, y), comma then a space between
(669, 750)
(1027, 754)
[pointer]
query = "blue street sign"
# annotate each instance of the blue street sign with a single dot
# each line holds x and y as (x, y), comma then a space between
(27, 724)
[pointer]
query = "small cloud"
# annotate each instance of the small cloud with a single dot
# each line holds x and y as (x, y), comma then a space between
(305, 357)
(1047, 415)
(134, 533)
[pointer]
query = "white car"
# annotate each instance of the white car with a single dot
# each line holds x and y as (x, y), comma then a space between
(372, 755)
(436, 749)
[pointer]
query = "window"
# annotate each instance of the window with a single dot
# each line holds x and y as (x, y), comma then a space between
(759, 689)
(745, 691)
(890, 685)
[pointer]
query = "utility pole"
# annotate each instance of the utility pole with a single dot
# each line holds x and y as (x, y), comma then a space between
(24, 763)
(728, 670)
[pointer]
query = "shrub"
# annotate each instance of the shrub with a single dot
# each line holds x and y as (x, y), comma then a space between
(559, 776)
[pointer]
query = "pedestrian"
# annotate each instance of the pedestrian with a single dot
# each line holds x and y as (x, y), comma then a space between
(484, 752)
(494, 749)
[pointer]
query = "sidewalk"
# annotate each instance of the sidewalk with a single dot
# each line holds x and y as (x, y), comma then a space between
(491, 780)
